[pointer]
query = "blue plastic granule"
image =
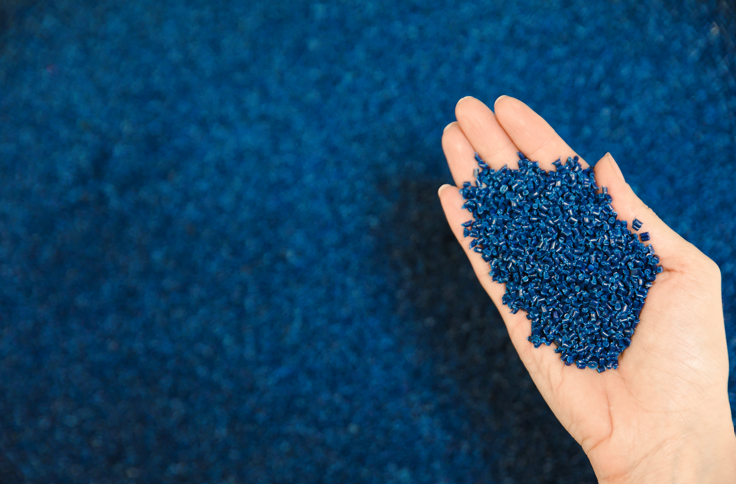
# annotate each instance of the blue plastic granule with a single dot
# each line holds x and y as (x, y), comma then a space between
(636, 225)
(644, 236)
(554, 240)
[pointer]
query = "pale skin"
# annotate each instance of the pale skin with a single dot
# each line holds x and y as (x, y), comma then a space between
(663, 416)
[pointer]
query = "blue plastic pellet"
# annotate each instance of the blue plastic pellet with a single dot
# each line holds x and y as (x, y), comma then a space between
(579, 273)
(644, 236)
(636, 225)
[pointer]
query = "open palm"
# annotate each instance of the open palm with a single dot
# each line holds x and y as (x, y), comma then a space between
(664, 415)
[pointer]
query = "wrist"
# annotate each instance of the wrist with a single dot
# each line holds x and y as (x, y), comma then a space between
(705, 457)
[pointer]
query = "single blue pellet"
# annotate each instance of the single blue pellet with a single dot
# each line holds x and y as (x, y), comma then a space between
(636, 225)
(644, 236)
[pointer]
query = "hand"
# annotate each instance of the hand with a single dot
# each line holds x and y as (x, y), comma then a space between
(664, 415)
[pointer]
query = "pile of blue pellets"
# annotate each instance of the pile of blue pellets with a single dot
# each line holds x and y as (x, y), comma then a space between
(553, 238)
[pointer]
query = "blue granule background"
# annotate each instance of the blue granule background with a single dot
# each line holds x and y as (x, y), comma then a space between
(222, 257)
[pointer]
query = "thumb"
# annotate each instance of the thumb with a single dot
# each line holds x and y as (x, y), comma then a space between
(674, 252)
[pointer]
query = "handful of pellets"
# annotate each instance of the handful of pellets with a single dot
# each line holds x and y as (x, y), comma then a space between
(553, 239)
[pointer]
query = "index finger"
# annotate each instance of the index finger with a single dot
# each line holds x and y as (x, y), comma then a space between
(531, 133)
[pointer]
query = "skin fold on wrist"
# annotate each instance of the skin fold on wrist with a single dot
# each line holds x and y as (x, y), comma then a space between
(709, 457)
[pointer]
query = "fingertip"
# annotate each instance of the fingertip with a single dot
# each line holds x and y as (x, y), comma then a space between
(443, 188)
(505, 102)
(469, 107)
(459, 107)
(463, 100)
(614, 166)
(609, 174)
(449, 126)
(521, 120)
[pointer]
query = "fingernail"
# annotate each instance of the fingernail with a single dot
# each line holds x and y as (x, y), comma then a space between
(454, 122)
(499, 98)
(439, 192)
(615, 166)
(463, 99)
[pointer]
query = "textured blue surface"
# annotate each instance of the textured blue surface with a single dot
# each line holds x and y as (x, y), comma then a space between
(222, 258)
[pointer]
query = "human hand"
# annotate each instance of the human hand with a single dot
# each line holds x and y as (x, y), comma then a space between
(664, 414)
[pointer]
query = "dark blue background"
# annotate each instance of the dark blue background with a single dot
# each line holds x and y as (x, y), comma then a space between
(222, 258)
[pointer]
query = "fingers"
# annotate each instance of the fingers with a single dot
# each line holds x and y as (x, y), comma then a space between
(485, 134)
(459, 153)
(452, 203)
(671, 249)
(537, 361)
(531, 134)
